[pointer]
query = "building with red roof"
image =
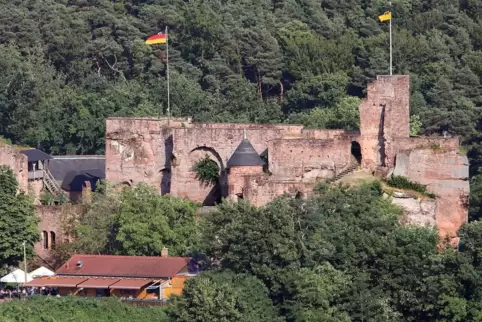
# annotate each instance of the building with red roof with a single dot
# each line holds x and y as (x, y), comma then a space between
(134, 277)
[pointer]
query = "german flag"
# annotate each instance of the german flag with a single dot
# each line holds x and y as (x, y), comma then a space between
(160, 38)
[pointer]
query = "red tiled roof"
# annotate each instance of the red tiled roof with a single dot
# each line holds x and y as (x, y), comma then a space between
(130, 284)
(38, 282)
(64, 281)
(98, 282)
(123, 266)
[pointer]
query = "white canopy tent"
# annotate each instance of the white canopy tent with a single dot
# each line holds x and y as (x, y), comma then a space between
(17, 276)
(41, 271)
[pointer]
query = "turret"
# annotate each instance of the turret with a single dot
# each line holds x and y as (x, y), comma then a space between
(245, 161)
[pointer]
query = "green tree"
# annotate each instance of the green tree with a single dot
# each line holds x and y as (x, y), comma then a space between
(41, 308)
(18, 222)
(135, 221)
(223, 296)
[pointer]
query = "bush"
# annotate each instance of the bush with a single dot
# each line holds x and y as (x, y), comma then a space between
(401, 182)
(207, 171)
(40, 308)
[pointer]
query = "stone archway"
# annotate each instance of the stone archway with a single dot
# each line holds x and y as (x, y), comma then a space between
(218, 190)
(213, 154)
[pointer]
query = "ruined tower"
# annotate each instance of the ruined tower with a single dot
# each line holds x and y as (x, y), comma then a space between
(384, 116)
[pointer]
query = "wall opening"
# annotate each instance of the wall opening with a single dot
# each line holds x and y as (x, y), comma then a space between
(52, 240)
(45, 240)
(211, 160)
(356, 151)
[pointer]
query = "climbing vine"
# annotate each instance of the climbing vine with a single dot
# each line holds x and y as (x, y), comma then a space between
(207, 171)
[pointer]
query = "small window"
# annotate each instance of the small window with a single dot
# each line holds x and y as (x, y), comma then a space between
(52, 240)
(45, 239)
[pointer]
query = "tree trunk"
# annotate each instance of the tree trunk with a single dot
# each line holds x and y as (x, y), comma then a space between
(281, 92)
(260, 89)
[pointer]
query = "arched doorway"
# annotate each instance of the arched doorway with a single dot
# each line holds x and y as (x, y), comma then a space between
(356, 151)
(206, 160)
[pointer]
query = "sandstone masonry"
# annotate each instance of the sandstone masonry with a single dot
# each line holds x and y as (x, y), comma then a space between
(162, 153)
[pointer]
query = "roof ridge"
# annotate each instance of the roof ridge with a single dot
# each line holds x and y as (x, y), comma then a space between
(132, 256)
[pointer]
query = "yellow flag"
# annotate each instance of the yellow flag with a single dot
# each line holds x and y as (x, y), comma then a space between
(385, 17)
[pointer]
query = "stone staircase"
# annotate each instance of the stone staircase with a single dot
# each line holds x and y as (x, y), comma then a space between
(51, 184)
(340, 175)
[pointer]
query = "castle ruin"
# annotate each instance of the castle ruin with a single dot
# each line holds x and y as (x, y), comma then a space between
(260, 162)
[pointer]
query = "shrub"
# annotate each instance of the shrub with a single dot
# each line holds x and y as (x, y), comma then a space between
(207, 171)
(401, 182)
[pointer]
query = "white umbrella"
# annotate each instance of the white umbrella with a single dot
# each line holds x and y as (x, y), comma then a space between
(17, 276)
(41, 271)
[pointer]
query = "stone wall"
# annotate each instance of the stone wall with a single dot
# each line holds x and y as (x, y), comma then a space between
(192, 144)
(260, 190)
(163, 153)
(50, 230)
(35, 188)
(309, 159)
(137, 150)
(435, 144)
(446, 175)
(16, 161)
(327, 134)
(236, 179)
(384, 115)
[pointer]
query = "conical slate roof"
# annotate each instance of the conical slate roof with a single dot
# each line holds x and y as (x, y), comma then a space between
(245, 155)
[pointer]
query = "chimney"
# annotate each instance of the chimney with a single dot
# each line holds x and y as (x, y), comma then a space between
(164, 252)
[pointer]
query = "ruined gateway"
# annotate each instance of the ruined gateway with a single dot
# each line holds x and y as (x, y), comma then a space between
(162, 153)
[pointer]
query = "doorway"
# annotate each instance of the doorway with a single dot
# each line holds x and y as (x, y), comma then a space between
(356, 151)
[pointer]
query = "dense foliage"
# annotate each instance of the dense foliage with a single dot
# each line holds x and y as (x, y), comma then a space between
(341, 255)
(344, 256)
(134, 221)
(52, 309)
(18, 222)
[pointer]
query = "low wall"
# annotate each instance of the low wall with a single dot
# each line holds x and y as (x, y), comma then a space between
(260, 190)
(296, 159)
(327, 134)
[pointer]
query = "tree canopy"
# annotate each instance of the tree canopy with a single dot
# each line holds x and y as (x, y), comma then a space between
(18, 222)
(133, 221)
(341, 255)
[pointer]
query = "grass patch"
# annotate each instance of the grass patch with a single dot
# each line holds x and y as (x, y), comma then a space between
(403, 183)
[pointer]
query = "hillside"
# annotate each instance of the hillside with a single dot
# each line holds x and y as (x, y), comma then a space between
(66, 65)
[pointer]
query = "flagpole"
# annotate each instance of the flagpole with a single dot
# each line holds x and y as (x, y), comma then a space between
(167, 74)
(390, 27)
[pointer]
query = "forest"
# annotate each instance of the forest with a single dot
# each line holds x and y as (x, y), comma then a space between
(68, 64)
